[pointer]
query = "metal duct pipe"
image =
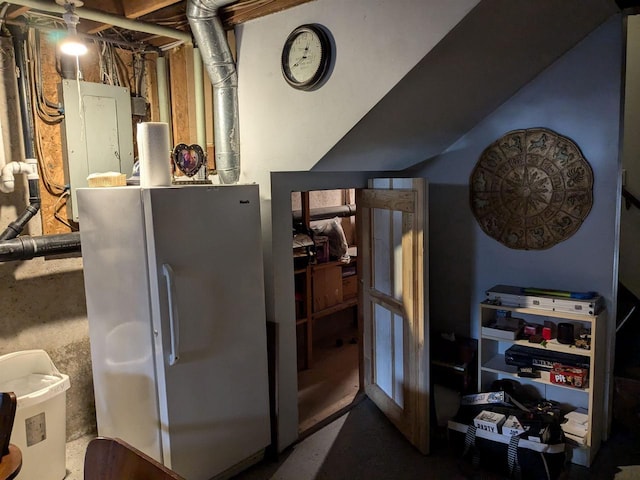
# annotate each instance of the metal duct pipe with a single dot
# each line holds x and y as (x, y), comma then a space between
(26, 248)
(101, 17)
(211, 39)
(325, 213)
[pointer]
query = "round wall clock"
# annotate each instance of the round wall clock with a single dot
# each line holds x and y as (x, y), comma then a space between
(531, 189)
(306, 57)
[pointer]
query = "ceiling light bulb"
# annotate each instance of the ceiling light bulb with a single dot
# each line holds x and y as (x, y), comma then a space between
(73, 46)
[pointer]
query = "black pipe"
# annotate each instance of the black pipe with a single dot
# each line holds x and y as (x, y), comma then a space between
(26, 248)
(325, 213)
(23, 89)
(15, 228)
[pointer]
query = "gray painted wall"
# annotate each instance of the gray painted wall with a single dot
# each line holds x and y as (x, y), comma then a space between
(579, 97)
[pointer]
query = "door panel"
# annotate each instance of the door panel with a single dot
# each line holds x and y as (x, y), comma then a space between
(392, 227)
(214, 398)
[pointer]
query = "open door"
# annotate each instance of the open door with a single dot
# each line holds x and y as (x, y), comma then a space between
(392, 235)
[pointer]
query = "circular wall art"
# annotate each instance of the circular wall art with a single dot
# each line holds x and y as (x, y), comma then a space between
(531, 189)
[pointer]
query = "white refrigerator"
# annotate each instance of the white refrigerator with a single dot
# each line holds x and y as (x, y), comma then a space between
(175, 300)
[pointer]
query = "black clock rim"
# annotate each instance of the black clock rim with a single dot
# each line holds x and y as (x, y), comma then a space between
(325, 57)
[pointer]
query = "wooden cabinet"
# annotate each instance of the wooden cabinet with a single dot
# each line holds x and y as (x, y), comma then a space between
(326, 281)
(492, 366)
(321, 290)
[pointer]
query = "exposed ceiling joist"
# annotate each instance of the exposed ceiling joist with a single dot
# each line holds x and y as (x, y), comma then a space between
(139, 19)
(144, 7)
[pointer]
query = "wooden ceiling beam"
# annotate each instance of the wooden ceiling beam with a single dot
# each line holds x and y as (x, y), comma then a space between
(144, 7)
(114, 7)
(246, 10)
(12, 14)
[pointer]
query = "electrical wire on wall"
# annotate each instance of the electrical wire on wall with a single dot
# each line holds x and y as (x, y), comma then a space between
(48, 111)
(109, 72)
(138, 69)
(43, 108)
(121, 61)
(56, 211)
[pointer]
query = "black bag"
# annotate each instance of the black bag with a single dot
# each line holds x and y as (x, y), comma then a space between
(513, 456)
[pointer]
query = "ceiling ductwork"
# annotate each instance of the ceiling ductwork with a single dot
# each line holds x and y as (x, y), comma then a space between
(211, 39)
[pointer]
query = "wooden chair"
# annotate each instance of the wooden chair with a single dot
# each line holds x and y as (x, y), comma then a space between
(10, 455)
(115, 459)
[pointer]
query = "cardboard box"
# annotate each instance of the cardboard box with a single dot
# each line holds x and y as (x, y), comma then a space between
(512, 426)
(569, 376)
(483, 398)
(489, 421)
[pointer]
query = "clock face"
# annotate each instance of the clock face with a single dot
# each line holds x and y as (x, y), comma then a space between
(305, 57)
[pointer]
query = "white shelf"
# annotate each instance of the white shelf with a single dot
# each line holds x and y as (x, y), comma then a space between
(492, 363)
(551, 345)
(541, 312)
(498, 365)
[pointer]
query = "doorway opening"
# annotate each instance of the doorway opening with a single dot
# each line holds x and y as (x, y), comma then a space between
(328, 339)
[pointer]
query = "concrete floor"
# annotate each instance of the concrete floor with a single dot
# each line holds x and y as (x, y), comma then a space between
(75, 457)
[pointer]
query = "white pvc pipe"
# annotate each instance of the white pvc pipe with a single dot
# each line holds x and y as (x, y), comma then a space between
(7, 180)
(101, 17)
(163, 91)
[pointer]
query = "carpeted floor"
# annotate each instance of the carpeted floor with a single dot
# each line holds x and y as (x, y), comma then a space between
(363, 445)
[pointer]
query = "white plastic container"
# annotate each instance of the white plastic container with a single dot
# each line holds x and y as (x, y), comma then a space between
(39, 429)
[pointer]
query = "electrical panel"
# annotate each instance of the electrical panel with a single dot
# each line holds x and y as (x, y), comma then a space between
(97, 133)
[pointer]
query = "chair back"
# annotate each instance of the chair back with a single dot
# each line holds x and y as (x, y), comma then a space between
(10, 455)
(115, 459)
(8, 404)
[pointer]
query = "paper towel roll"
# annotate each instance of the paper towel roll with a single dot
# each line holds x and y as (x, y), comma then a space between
(153, 154)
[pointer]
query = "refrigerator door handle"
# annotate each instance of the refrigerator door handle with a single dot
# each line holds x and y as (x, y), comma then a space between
(174, 325)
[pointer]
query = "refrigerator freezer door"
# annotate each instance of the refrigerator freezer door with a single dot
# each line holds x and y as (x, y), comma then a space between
(117, 294)
(212, 367)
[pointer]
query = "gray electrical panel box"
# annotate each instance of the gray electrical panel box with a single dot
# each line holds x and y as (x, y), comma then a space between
(97, 133)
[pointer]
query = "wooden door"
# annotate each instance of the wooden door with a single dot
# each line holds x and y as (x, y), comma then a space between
(392, 234)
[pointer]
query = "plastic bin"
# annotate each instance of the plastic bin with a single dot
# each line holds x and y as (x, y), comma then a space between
(39, 429)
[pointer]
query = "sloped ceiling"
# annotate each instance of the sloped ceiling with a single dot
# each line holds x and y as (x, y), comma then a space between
(495, 50)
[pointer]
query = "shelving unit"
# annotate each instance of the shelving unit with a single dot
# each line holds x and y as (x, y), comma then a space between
(492, 367)
(323, 289)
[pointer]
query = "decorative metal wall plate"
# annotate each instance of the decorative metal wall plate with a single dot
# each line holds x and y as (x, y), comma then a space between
(531, 189)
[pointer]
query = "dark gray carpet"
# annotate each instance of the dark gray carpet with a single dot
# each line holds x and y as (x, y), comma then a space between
(364, 445)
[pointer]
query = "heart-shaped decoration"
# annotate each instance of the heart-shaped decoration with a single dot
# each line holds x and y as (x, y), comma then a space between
(188, 158)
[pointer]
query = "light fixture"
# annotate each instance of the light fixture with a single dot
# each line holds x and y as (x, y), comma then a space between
(72, 44)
